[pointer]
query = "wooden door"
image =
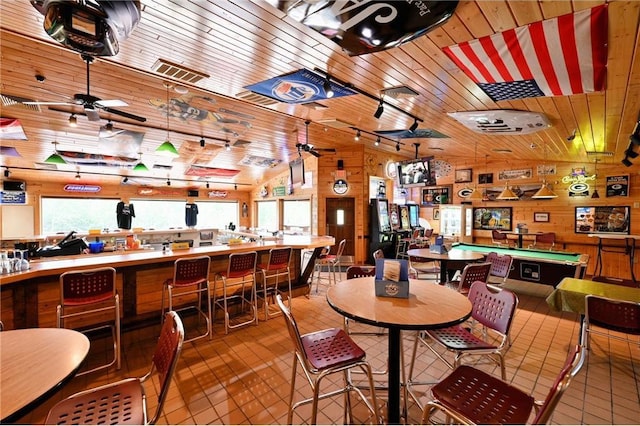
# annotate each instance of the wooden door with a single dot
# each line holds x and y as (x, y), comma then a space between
(340, 220)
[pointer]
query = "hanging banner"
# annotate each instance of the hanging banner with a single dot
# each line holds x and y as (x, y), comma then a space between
(361, 27)
(618, 186)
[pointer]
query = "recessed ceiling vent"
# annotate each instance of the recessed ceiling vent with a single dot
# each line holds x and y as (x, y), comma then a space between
(399, 92)
(255, 98)
(8, 101)
(600, 153)
(334, 122)
(502, 122)
(177, 71)
(241, 142)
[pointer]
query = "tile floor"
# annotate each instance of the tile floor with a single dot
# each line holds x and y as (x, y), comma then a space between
(243, 377)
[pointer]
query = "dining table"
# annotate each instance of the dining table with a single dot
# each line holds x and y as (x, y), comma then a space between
(429, 306)
(34, 364)
(569, 295)
(446, 259)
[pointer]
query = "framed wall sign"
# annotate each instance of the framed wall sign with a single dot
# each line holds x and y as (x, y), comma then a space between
(540, 216)
(603, 219)
(492, 218)
(436, 195)
(485, 178)
(463, 175)
(515, 174)
(618, 186)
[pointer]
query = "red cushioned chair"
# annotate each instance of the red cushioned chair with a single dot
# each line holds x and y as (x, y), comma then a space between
(471, 396)
(500, 267)
(240, 273)
(321, 354)
(611, 314)
(125, 402)
(276, 267)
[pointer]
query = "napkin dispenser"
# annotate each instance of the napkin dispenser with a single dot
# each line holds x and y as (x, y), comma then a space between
(392, 278)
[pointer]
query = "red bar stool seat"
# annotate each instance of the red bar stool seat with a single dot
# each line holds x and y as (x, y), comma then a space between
(190, 277)
(241, 273)
(91, 294)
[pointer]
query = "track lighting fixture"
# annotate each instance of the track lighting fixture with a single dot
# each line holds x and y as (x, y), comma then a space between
(207, 185)
(626, 162)
(73, 120)
(202, 142)
(378, 141)
(109, 127)
(227, 146)
(125, 179)
(635, 139)
(397, 146)
(357, 137)
(380, 109)
(7, 173)
(630, 153)
(78, 176)
(572, 136)
(166, 148)
(328, 90)
(414, 126)
(168, 182)
(235, 186)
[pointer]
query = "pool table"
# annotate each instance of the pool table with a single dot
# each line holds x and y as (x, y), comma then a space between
(537, 266)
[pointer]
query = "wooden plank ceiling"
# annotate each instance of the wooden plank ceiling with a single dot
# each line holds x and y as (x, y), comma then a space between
(238, 43)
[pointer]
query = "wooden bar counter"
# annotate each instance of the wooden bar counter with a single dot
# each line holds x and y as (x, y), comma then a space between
(29, 298)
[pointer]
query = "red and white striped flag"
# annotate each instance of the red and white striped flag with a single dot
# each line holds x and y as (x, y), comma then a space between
(560, 56)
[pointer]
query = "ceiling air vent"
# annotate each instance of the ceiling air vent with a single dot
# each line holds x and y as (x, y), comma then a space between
(177, 71)
(502, 122)
(600, 153)
(399, 92)
(334, 122)
(241, 142)
(255, 98)
(8, 101)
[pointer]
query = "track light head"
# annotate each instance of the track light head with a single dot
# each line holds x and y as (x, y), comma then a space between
(414, 126)
(125, 179)
(572, 136)
(168, 182)
(7, 173)
(626, 162)
(397, 146)
(109, 127)
(380, 110)
(357, 137)
(328, 90)
(207, 185)
(378, 141)
(635, 139)
(202, 142)
(78, 176)
(630, 152)
(73, 120)
(227, 146)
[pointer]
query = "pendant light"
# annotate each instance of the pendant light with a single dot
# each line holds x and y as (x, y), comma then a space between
(475, 194)
(166, 148)
(140, 167)
(507, 194)
(55, 158)
(595, 182)
(544, 193)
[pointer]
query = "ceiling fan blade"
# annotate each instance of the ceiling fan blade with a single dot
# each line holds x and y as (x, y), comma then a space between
(124, 114)
(314, 153)
(47, 103)
(92, 114)
(102, 103)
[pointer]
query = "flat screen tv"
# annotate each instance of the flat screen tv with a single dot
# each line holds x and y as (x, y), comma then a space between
(296, 170)
(414, 215)
(382, 208)
(417, 172)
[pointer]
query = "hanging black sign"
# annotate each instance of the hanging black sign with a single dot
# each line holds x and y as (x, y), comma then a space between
(363, 26)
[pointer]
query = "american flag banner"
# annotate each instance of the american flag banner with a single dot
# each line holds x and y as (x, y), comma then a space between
(565, 55)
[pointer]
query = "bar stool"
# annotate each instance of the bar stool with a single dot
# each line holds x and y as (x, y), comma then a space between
(277, 266)
(91, 293)
(190, 276)
(241, 271)
(332, 262)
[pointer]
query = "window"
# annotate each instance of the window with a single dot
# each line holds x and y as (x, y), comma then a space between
(82, 214)
(267, 216)
(297, 215)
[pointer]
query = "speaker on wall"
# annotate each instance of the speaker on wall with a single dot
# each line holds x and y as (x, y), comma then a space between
(14, 185)
(193, 193)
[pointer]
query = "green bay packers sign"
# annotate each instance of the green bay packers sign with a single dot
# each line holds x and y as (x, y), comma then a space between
(366, 26)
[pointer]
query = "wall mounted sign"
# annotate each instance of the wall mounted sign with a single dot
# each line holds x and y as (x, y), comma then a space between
(546, 169)
(578, 182)
(484, 178)
(612, 219)
(618, 186)
(279, 191)
(360, 27)
(436, 195)
(71, 187)
(340, 186)
(515, 174)
(217, 194)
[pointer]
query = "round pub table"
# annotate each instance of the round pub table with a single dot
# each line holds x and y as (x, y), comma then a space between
(429, 306)
(34, 363)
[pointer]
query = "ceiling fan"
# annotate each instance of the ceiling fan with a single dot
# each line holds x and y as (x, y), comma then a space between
(307, 147)
(92, 104)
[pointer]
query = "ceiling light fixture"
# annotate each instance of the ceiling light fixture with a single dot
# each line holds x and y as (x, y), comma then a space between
(635, 139)
(544, 193)
(630, 153)
(414, 126)
(235, 186)
(7, 173)
(109, 128)
(475, 193)
(398, 146)
(328, 90)
(166, 148)
(380, 109)
(168, 182)
(73, 120)
(626, 162)
(357, 137)
(78, 176)
(55, 158)
(507, 194)
(572, 136)
(125, 179)
(227, 146)
(595, 180)
(207, 185)
(378, 141)
(202, 142)
(140, 167)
